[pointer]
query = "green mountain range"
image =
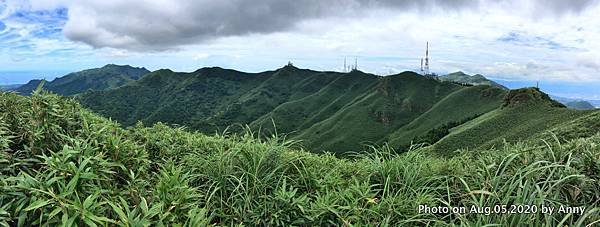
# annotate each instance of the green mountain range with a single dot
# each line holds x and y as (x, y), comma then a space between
(107, 77)
(328, 111)
(336, 112)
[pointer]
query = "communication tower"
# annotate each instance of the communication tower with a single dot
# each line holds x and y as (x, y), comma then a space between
(345, 67)
(425, 64)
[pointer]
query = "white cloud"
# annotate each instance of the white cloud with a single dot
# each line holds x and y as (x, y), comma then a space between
(201, 56)
(386, 36)
(166, 24)
(589, 60)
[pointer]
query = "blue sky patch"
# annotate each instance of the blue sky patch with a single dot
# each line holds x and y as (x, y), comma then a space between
(517, 38)
(511, 37)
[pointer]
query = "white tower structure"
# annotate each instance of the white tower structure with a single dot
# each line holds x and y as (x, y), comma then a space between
(345, 67)
(425, 67)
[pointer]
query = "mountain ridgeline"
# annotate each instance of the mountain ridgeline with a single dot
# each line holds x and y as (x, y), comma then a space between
(107, 77)
(477, 79)
(332, 111)
(328, 111)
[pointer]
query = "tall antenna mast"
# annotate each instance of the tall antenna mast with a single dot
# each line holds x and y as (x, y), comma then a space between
(345, 68)
(427, 60)
(356, 63)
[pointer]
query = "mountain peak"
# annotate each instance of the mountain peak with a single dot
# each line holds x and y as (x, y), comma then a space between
(163, 71)
(111, 65)
(116, 66)
(458, 73)
(477, 79)
(528, 95)
(289, 67)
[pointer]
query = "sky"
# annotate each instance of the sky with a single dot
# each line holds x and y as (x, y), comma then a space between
(516, 42)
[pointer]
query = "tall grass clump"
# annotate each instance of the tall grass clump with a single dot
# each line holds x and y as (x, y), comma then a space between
(63, 165)
(525, 178)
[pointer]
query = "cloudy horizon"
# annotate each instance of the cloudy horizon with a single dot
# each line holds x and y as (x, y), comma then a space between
(554, 42)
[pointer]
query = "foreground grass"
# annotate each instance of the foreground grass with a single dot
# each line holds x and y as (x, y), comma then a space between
(61, 165)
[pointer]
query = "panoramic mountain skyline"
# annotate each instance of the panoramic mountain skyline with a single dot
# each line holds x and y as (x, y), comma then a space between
(244, 112)
(513, 42)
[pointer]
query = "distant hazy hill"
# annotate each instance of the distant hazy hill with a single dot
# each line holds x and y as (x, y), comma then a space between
(109, 76)
(580, 105)
(10, 87)
(460, 77)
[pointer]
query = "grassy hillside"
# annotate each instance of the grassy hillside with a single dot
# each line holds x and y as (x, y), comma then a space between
(477, 100)
(63, 165)
(109, 76)
(526, 113)
(326, 110)
(588, 123)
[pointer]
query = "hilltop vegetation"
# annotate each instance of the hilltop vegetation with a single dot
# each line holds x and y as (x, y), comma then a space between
(61, 164)
(107, 77)
(477, 79)
(525, 114)
(330, 111)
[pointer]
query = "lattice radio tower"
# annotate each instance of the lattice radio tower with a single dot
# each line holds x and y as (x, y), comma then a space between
(425, 62)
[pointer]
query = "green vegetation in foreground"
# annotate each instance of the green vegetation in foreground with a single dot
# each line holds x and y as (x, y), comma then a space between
(63, 165)
(107, 77)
